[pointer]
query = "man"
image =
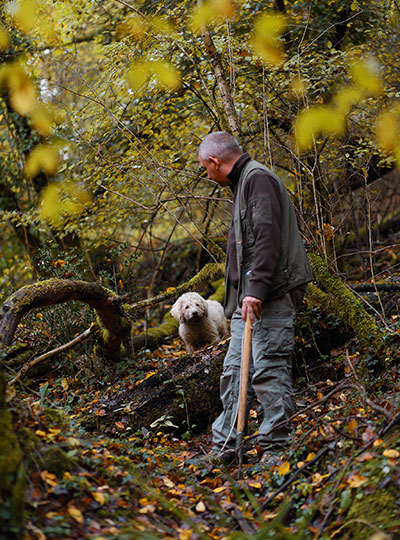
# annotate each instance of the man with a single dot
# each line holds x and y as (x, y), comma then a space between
(266, 273)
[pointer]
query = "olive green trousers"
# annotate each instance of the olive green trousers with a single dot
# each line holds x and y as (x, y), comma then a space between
(270, 379)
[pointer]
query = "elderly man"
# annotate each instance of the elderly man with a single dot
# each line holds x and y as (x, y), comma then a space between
(267, 270)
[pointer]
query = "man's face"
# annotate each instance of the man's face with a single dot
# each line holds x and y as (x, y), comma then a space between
(216, 170)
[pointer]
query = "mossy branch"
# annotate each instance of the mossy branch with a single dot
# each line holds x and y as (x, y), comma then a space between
(169, 326)
(334, 296)
(210, 272)
(108, 306)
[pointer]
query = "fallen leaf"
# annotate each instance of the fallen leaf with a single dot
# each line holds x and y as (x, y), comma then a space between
(99, 497)
(368, 434)
(76, 514)
(356, 480)
(352, 426)
(220, 489)
(365, 456)
(391, 453)
(200, 507)
(168, 482)
(284, 468)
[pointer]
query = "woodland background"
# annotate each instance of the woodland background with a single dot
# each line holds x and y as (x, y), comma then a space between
(106, 218)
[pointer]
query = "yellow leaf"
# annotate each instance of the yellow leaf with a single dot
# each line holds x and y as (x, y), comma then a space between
(255, 484)
(25, 16)
(365, 75)
(43, 157)
(168, 482)
(59, 201)
(310, 456)
(211, 12)
(42, 121)
(49, 478)
(284, 468)
(76, 514)
(137, 75)
(167, 75)
(356, 480)
(136, 27)
(347, 97)
(200, 507)
(64, 383)
(266, 40)
(391, 453)
(387, 131)
(378, 442)
(99, 497)
(352, 425)
(299, 88)
(23, 93)
(4, 38)
(162, 25)
(40, 433)
(316, 121)
(149, 509)
(220, 489)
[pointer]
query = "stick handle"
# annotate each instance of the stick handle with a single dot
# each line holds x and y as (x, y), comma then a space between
(244, 374)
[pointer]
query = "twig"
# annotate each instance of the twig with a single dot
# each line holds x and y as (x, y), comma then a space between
(53, 352)
(316, 458)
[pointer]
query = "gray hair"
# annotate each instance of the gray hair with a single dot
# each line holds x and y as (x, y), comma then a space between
(219, 144)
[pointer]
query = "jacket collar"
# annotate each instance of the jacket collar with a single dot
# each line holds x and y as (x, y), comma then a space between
(234, 173)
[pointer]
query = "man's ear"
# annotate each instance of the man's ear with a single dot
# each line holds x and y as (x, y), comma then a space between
(215, 160)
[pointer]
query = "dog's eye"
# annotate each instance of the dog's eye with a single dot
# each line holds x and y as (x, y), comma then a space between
(186, 307)
(197, 304)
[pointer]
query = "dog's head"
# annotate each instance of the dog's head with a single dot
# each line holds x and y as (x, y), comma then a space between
(189, 307)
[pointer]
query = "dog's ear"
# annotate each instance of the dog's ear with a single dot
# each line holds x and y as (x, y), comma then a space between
(176, 310)
(204, 307)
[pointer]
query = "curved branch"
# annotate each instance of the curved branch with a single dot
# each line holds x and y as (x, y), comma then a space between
(57, 291)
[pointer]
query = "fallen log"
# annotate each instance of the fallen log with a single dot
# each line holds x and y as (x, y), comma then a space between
(185, 392)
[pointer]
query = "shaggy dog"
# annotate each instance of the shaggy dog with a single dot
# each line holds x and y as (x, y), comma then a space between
(200, 321)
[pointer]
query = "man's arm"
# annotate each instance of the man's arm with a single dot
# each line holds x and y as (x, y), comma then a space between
(265, 216)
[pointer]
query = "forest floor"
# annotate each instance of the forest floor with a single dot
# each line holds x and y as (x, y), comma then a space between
(339, 479)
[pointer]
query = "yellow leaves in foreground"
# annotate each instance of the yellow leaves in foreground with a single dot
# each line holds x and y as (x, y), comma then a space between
(43, 157)
(316, 121)
(388, 133)
(24, 97)
(62, 200)
(4, 38)
(23, 93)
(365, 75)
(165, 73)
(212, 12)
(138, 26)
(29, 16)
(266, 39)
(326, 120)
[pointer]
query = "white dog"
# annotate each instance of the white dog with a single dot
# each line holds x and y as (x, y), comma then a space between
(200, 321)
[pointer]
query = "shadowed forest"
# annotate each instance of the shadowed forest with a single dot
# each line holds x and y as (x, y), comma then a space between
(107, 218)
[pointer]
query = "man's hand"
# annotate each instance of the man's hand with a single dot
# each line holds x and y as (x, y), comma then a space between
(252, 306)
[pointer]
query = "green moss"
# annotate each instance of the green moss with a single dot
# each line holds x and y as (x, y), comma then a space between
(372, 512)
(341, 301)
(56, 461)
(56, 417)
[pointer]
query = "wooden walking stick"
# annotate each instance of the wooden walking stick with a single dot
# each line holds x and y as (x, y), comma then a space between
(244, 380)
